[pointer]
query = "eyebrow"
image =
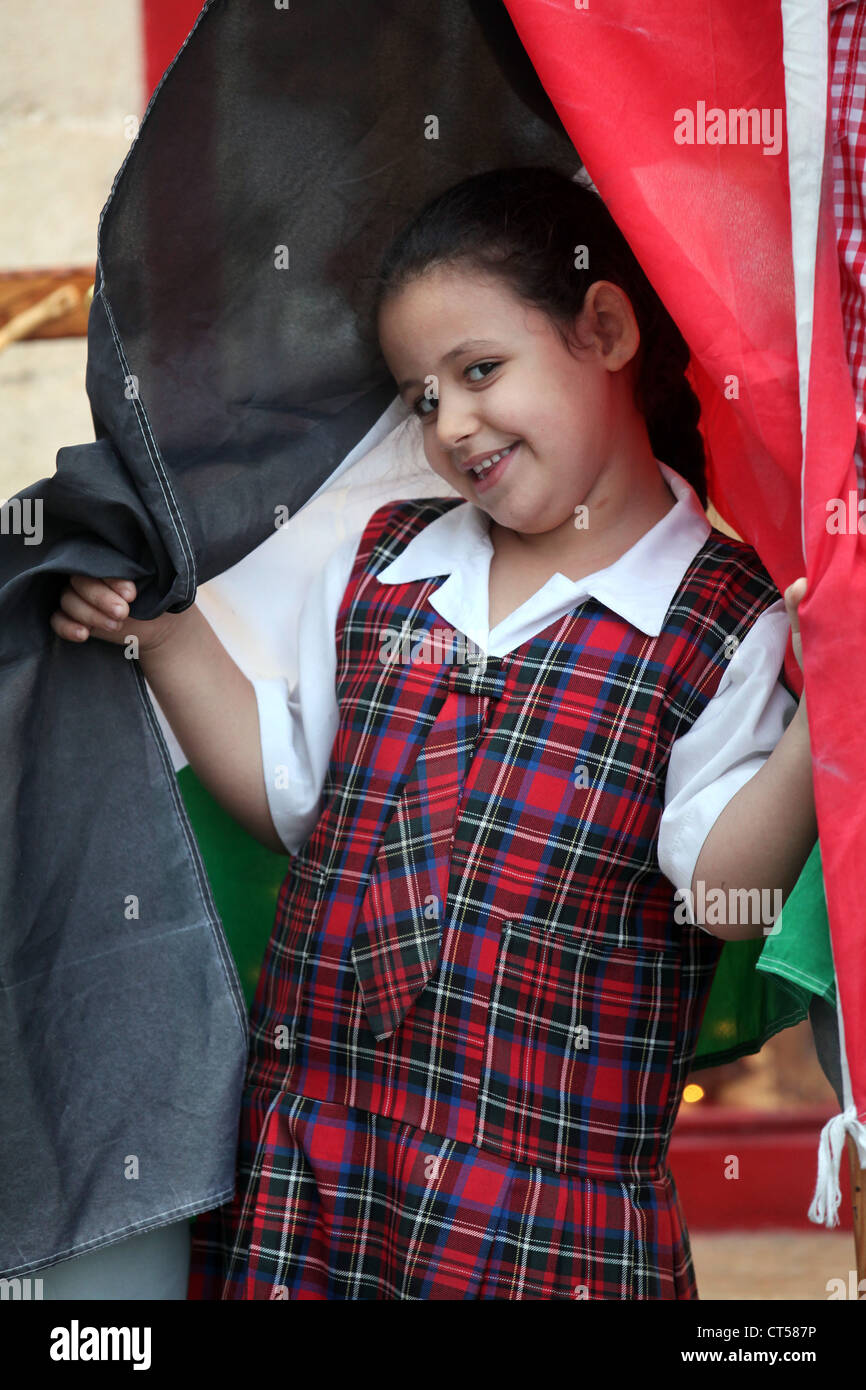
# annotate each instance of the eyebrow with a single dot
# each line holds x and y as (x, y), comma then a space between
(468, 345)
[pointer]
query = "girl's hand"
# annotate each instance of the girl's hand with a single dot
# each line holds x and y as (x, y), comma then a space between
(99, 608)
(793, 598)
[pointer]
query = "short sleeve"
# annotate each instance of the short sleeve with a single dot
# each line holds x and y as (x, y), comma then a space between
(727, 744)
(297, 727)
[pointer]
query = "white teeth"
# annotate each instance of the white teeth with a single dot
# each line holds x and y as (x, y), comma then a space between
(482, 468)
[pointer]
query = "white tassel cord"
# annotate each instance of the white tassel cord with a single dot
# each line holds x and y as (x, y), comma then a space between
(828, 1193)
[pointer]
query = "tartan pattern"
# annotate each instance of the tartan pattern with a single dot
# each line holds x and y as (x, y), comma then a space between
(398, 935)
(847, 57)
(345, 1204)
(551, 1043)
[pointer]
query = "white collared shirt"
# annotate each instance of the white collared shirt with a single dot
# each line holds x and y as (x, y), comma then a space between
(725, 746)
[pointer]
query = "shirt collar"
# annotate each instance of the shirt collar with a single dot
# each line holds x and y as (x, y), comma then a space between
(639, 586)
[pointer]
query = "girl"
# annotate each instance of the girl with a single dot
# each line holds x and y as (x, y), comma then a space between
(531, 720)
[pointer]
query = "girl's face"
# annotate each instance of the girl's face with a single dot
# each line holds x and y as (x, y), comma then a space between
(487, 373)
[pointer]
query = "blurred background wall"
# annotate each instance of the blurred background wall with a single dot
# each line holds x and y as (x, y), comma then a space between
(71, 93)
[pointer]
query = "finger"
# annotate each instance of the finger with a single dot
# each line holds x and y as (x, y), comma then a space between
(99, 595)
(84, 613)
(795, 592)
(124, 587)
(791, 608)
(793, 598)
(66, 627)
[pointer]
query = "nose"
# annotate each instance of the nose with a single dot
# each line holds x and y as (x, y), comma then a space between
(456, 419)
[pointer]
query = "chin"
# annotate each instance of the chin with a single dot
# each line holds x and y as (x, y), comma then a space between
(530, 522)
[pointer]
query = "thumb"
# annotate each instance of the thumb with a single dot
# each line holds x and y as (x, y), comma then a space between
(794, 595)
(793, 598)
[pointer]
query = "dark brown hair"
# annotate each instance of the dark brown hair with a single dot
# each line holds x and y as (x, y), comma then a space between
(523, 225)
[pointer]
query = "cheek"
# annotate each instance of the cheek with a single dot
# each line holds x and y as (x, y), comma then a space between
(440, 465)
(443, 469)
(433, 455)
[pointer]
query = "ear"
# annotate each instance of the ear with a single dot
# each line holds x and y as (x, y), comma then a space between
(609, 320)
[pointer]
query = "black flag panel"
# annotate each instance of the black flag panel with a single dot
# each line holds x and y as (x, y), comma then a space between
(231, 369)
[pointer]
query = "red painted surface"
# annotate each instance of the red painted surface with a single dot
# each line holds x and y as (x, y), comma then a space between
(777, 1153)
(166, 24)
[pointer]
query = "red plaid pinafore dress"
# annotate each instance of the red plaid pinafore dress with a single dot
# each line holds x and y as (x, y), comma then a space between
(478, 1006)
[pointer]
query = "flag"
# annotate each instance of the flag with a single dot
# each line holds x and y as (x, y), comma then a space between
(244, 419)
(725, 195)
(230, 374)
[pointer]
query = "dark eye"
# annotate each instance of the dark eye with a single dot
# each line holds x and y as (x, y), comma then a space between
(476, 366)
(425, 400)
(433, 401)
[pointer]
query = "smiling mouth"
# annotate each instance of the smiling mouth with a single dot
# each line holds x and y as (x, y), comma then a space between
(492, 466)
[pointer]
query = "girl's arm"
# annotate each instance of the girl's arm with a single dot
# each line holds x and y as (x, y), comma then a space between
(211, 707)
(764, 835)
(768, 829)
